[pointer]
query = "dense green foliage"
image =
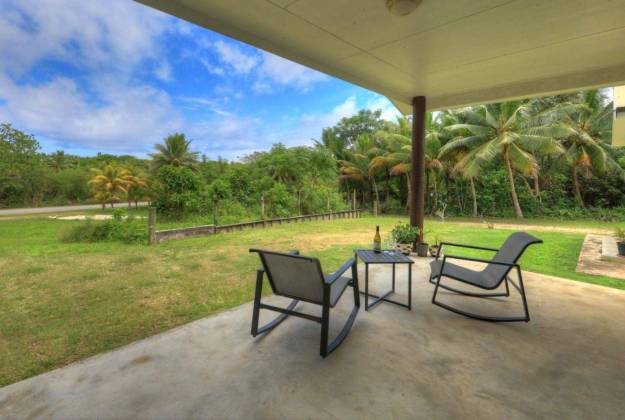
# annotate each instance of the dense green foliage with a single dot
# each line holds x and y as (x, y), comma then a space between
(120, 228)
(549, 156)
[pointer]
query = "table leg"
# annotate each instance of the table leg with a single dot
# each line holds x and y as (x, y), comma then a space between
(409, 287)
(393, 277)
(366, 287)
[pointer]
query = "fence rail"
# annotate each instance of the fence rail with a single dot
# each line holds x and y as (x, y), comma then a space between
(158, 236)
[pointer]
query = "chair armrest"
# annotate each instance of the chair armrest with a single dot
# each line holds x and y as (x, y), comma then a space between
(334, 276)
(483, 248)
(457, 257)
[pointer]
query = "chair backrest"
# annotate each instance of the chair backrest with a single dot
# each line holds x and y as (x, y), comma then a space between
(293, 276)
(510, 252)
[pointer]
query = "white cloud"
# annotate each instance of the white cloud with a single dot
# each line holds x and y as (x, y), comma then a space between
(163, 72)
(229, 136)
(389, 112)
(212, 69)
(199, 101)
(239, 61)
(114, 34)
(102, 106)
(342, 110)
(276, 70)
(124, 118)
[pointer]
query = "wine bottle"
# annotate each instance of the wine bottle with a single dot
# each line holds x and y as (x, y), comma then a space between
(377, 241)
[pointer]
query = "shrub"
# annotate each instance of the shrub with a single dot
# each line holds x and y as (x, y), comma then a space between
(403, 233)
(127, 231)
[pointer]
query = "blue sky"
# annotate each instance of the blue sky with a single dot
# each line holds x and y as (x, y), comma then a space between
(116, 77)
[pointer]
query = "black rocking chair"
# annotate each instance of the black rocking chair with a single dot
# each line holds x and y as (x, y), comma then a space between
(300, 278)
(497, 271)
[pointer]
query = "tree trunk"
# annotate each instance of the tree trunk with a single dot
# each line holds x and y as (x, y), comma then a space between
(537, 192)
(388, 187)
(435, 189)
(103, 206)
(409, 191)
(515, 199)
(578, 191)
(299, 202)
(377, 197)
(474, 197)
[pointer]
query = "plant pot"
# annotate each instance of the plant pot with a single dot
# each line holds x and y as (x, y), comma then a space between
(621, 248)
(434, 250)
(422, 249)
(405, 249)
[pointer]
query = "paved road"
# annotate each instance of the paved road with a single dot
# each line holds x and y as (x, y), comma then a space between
(58, 209)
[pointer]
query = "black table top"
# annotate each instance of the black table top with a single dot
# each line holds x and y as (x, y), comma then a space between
(368, 256)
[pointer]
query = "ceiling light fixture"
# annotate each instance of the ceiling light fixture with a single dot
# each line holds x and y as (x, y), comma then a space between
(402, 7)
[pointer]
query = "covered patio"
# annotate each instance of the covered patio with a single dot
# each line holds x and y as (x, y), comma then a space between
(425, 363)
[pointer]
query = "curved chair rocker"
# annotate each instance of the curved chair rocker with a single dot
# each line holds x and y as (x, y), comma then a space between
(301, 278)
(490, 278)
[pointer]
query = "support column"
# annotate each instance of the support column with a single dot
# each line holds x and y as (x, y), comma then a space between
(417, 178)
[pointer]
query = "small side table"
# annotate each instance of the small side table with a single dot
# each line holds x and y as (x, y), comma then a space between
(368, 256)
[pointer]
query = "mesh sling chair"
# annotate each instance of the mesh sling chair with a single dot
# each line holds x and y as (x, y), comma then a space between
(300, 278)
(496, 271)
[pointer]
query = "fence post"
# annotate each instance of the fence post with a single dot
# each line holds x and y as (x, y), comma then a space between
(152, 226)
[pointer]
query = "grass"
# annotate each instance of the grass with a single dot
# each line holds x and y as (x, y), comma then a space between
(62, 302)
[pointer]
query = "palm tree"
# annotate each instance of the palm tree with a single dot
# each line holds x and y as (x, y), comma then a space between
(357, 167)
(584, 128)
(108, 183)
(174, 151)
(58, 161)
(137, 181)
(434, 132)
(398, 151)
(498, 131)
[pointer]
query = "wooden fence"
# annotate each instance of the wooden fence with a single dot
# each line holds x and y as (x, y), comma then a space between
(158, 236)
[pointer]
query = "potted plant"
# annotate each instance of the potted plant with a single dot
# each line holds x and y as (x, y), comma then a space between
(422, 249)
(404, 236)
(620, 241)
(435, 247)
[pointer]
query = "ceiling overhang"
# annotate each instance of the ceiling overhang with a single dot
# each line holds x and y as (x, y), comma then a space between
(454, 52)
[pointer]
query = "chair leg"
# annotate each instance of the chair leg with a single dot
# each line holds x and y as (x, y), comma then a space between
(355, 285)
(256, 310)
(524, 318)
(325, 321)
(326, 348)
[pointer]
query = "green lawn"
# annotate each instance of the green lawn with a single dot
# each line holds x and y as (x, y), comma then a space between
(63, 302)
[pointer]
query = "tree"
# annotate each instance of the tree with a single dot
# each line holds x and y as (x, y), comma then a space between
(22, 171)
(349, 129)
(498, 131)
(177, 191)
(109, 183)
(59, 161)
(136, 185)
(359, 167)
(218, 191)
(175, 152)
(585, 128)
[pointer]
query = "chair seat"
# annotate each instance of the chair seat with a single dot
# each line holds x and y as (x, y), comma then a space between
(337, 289)
(483, 278)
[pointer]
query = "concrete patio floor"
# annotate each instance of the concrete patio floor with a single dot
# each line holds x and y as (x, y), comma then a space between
(568, 362)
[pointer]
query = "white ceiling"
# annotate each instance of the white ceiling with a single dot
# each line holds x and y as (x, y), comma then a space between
(454, 52)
